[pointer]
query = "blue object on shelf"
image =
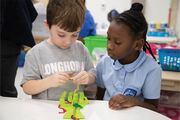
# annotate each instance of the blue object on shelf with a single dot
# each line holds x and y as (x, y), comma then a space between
(163, 34)
(158, 34)
(164, 25)
(169, 59)
(152, 33)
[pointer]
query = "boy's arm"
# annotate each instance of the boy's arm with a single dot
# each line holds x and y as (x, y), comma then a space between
(33, 87)
(32, 82)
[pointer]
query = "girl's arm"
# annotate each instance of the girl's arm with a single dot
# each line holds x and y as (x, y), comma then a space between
(151, 104)
(121, 101)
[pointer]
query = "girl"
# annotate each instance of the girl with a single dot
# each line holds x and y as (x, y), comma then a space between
(130, 77)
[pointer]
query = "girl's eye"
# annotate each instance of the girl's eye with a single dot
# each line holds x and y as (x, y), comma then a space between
(61, 35)
(108, 38)
(117, 42)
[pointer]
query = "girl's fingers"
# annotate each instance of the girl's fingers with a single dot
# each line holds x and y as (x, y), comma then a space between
(111, 102)
(116, 102)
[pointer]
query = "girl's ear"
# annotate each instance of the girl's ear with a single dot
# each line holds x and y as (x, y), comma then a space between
(46, 25)
(139, 44)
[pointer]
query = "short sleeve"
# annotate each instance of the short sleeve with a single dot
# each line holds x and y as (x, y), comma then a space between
(152, 86)
(30, 70)
(99, 70)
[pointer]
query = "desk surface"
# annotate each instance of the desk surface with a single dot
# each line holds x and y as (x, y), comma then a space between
(29, 109)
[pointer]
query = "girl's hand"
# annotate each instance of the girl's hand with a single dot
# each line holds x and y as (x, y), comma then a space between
(120, 101)
(82, 77)
(57, 79)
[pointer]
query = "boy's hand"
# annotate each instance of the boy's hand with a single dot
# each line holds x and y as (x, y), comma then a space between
(82, 77)
(120, 101)
(57, 79)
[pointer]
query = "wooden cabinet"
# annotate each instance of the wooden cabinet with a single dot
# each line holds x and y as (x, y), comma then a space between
(170, 81)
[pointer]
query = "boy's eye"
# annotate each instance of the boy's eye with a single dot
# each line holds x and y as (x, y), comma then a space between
(61, 35)
(75, 35)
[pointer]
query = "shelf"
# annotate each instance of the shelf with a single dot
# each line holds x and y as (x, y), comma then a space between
(170, 81)
(171, 76)
(164, 40)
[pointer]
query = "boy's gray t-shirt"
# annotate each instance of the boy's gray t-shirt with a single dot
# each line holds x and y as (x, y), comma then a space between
(45, 59)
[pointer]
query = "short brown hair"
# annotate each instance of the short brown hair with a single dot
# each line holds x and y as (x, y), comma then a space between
(67, 14)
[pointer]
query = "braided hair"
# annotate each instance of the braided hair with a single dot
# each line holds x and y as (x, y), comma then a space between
(135, 19)
(111, 14)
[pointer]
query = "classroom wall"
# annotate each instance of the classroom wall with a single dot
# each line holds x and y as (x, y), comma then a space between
(100, 9)
(177, 28)
(155, 10)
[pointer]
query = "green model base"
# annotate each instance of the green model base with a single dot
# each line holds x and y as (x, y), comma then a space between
(75, 102)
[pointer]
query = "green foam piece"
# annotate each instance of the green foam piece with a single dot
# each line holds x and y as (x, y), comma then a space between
(75, 102)
(70, 96)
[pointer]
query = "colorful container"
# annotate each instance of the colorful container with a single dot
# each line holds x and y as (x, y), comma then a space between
(92, 42)
(169, 59)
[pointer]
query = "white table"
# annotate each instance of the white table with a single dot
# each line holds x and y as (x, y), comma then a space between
(29, 109)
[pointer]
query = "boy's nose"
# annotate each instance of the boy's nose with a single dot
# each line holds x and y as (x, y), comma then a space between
(68, 42)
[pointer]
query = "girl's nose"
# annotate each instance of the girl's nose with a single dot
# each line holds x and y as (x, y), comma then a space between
(109, 46)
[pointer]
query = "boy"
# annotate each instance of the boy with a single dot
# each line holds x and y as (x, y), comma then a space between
(61, 62)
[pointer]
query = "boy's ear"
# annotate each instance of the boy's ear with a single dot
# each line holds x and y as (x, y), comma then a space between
(46, 24)
(139, 44)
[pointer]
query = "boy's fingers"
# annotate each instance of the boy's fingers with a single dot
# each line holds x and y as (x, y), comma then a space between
(81, 80)
(64, 74)
(62, 82)
(76, 76)
(79, 76)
